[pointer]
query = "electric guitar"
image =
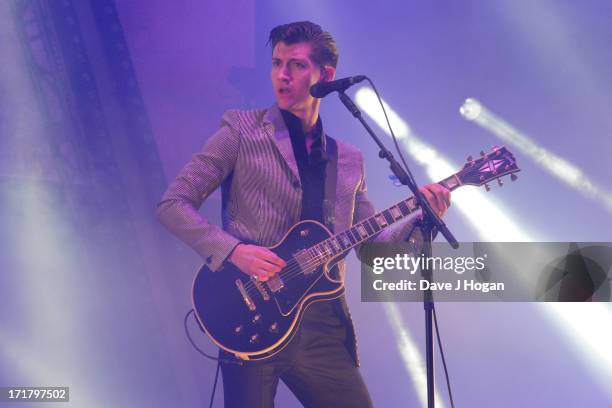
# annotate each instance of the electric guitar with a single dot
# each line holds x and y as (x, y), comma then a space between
(254, 320)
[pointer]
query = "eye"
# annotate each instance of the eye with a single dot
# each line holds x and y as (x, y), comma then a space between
(275, 63)
(300, 65)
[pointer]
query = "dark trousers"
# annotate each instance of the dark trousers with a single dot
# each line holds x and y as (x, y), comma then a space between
(316, 366)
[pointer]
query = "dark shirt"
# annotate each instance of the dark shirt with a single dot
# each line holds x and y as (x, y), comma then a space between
(310, 166)
(320, 317)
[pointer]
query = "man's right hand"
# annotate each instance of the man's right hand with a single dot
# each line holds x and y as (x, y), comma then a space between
(256, 261)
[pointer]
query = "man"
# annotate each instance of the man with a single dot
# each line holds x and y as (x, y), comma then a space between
(276, 167)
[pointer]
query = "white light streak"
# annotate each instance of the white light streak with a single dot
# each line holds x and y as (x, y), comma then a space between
(480, 209)
(562, 169)
(589, 327)
(413, 360)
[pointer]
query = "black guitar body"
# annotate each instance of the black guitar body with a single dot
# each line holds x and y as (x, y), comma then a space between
(254, 320)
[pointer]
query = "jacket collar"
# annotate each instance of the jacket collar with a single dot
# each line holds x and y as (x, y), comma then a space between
(276, 127)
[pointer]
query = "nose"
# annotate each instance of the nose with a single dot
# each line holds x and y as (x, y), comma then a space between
(283, 73)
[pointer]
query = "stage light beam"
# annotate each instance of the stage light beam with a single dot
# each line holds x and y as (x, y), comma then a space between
(562, 169)
(438, 167)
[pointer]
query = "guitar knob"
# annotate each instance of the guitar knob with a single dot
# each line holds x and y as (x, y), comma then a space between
(273, 328)
(487, 187)
(254, 339)
(513, 177)
(238, 329)
(256, 318)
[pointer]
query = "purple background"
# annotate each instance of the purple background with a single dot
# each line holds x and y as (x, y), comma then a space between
(542, 67)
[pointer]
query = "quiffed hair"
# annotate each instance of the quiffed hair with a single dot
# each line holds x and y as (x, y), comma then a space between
(324, 48)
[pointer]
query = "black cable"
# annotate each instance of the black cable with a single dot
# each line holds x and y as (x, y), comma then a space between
(199, 350)
(450, 393)
(212, 397)
(398, 150)
(191, 340)
(410, 176)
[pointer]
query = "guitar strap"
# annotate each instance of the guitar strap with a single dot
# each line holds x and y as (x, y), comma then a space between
(331, 177)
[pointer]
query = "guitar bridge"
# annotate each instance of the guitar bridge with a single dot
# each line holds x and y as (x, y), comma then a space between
(245, 296)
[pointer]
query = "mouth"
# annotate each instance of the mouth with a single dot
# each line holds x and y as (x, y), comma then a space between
(284, 91)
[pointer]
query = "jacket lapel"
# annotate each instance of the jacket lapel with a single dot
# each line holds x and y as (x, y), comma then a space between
(276, 128)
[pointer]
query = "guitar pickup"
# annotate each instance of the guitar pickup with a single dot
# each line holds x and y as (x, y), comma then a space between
(262, 291)
(275, 283)
(245, 296)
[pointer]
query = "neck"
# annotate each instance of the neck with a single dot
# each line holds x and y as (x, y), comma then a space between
(308, 117)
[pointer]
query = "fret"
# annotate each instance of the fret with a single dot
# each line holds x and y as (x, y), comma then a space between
(336, 246)
(380, 220)
(395, 213)
(388, 217)
(330, 248)
(362, 231)
(411, 203)
(331, 251)
(374, 224)
(346, 243)
(351, 236)
(451, 183)
(325, 250)
(404, 208)
(368, 227)
(324, 253)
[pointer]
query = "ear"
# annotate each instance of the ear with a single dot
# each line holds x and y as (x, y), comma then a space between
(328, 73)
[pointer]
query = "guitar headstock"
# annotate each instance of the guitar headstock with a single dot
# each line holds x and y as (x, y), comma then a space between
(497, 163)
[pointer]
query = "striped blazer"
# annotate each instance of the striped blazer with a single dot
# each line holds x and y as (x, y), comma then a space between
(251, 158)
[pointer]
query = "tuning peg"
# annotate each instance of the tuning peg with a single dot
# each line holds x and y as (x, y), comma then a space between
(482, 153)
(513, 177)
(469, 158)
(487, 188)
(500, 182)
(494, 147)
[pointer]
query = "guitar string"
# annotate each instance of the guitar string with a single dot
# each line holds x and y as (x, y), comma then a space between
(315, 261)
(291, 272)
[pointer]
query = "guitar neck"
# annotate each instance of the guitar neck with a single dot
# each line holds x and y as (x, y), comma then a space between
(336, 245)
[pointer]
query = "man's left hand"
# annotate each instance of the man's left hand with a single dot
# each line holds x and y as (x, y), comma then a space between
(438, 197)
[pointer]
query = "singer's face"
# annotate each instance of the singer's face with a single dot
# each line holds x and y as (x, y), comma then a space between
(292, 75)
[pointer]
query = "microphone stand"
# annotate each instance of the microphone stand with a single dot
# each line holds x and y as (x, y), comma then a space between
(429, 224)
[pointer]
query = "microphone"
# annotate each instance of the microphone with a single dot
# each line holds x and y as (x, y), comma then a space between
(321, 89)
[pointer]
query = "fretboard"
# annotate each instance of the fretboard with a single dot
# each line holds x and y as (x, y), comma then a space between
(342, 242)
